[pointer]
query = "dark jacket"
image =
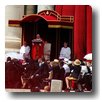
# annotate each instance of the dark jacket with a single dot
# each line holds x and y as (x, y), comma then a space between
(56, 72)
(76, 71)
(43, 71)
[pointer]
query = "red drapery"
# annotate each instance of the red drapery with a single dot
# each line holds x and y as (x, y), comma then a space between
(58, 8)
(66, 10)
(82, 38)
(89, 29)
(80, 32)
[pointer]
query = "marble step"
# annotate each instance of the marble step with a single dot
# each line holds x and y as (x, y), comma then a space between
(12, 43)
(11, 50)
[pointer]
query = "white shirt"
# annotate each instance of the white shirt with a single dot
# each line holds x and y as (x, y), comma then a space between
(66, 68)
(65, 52)
(25, 49)
(24, 52)
(84, 69)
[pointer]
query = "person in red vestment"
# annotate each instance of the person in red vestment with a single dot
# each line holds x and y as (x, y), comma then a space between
(37, 47)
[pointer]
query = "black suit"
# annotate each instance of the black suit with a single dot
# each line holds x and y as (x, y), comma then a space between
(76, 71)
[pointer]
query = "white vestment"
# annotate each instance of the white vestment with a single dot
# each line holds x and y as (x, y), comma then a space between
(25, 50)
(65, 52)
(47, 51)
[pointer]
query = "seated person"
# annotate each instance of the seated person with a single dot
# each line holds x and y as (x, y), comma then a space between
(55, 72)
(74, 73)
(66, 66)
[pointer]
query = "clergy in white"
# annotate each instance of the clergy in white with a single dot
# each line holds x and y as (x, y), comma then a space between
(65, 52)
(25, 51)
(47, 50)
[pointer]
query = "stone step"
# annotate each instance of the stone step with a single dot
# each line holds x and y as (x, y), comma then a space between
(11, 50)
(12, 45)
(12, 42)
(18, 90)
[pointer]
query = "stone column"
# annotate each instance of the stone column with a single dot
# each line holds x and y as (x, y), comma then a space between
(45, 7)
(13, 34)
(29, 9)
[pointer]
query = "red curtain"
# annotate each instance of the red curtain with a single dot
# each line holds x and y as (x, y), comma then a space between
(58, 8)
(66, 10)
(80, 32)
(82, 38)
(89, 29)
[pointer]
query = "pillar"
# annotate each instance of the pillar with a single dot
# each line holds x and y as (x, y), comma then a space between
(13, 34)
(44, 7)
(30, 9)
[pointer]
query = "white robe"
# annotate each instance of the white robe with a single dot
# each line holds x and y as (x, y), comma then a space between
(65, 52)
(47, 51)
(25, 50)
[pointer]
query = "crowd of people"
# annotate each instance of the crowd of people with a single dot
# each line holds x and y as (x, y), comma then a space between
(37, 72)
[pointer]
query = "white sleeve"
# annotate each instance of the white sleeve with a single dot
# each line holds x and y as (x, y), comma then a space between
(22, 49)
(61, 52)
(69, 51)
(28, 49)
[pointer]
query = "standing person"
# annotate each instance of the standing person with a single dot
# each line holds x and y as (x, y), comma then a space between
(47, 50)
(65, 52)
(25, 51)
(37, 47)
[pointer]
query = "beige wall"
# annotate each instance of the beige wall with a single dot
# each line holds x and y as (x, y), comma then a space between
(13, 34)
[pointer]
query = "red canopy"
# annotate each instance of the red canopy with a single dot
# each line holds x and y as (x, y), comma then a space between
(53, 18)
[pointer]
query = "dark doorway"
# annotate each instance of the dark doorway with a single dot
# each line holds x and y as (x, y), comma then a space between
(57, 37)
(31, 28)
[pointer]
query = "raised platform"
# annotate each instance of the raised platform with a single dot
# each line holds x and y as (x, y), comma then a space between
(18, 90)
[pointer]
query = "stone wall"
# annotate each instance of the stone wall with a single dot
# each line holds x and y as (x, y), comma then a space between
(13, 34)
